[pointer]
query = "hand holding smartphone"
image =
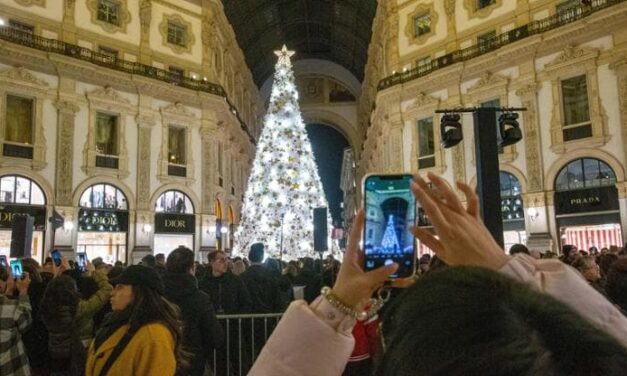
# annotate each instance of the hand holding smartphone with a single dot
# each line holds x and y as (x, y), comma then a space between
(3, 262)
(17, 270)
(390, 209)
(56, 257)
(82, 261)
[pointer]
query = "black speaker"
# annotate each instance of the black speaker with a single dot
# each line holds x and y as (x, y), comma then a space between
(22, 235)
(321, 235)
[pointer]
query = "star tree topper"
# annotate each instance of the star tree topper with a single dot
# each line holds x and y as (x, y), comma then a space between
(284, 56)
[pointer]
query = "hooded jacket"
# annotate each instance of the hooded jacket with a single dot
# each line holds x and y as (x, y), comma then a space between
(227, 292)
(202, 331)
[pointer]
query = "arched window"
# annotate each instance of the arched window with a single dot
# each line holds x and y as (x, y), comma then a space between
(174, 202)
(511, 200)
(103, 196)
(15, 189)
(584, 173)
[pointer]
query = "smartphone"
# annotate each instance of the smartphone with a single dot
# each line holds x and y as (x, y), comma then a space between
(82, 261)
(16, 269)
(3, 262)
(56, 257)
(390, 208)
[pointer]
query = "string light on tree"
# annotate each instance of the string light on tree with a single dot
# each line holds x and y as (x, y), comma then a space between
(284, 185)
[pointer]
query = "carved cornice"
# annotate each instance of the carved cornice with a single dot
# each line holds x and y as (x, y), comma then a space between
(107, 94)
(422, 103)
(22, 75)
(571, 55)
(66, 106)
(487, 81)
(178, 110)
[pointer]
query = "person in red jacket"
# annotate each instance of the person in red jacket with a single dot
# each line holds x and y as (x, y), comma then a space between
(367, 347)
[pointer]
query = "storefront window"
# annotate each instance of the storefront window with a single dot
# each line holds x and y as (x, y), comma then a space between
(584, 173)
(174, 202)
(511, 200)
(20, 190)
(103, 196)
(21, 196)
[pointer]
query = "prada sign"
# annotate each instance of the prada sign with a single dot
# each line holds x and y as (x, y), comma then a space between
(174, 223)
(586, 200)
(7, 212)
(102, 220)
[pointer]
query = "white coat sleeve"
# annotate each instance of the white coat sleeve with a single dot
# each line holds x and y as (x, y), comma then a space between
(564, 283)
(309, 340)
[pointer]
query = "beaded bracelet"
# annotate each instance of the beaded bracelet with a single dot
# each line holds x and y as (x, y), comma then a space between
(374, 304)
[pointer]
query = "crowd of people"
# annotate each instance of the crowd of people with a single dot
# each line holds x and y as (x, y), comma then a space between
(470, 309)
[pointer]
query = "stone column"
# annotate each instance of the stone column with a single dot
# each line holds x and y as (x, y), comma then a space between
(620, 68)
(145, 18)
(209, 134)
(451, 25)
(66, 113)
(68, 27)
(144, 214)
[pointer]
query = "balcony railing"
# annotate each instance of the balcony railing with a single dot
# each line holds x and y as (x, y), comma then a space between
(67, 49)
(533, 28)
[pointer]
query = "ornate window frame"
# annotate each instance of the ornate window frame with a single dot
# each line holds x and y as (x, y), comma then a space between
(176, 115)
(109, 101)
(423, 107)
(19, 81)
(492, 86)
(190, 39)
(575, 61)
(124, 17)
(473, 12)
(409, 28)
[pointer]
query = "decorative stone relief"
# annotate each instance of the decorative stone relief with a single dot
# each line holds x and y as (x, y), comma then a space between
(124, 17)
(189, 39)
(532, 144)
(23, 75)
(28, 3)
(473, 12)
(459, 169)
(145, 124)
(66, 112)
(410, 31)
(620, 68)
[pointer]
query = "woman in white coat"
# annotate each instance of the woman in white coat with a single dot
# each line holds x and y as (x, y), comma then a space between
(493, 314)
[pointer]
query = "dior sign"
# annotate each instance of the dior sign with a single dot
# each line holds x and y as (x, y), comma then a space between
(103, 220)
(174, 223)
(7, 212)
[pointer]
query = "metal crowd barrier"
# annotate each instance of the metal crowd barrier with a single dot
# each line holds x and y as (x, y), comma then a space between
(245, 336)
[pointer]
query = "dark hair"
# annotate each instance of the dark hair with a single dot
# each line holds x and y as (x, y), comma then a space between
(518, 248)
(161, 256)
(256, 252)
(115, 272)
(4, 275)
(180, 260)
(148, 306)
(149, 261)
(470, 321)
(605, 261)
(583, 263)
(567, 248)
(60, 292)
(616, 283)
(273, 265)
(211, 257)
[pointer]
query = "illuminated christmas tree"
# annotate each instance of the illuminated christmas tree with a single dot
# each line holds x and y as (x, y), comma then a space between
(389, 243)
(284, 186)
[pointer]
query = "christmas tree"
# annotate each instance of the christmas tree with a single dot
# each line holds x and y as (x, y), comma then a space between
(284, 186)
(389, 243)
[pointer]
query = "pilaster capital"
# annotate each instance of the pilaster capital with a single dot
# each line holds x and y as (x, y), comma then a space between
(66, 106)
(145, 120)
(527, 90)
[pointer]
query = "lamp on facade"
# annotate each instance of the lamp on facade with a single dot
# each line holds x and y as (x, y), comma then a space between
(450, 130)
(509, 128)
(2, 23)
(147, 228)
(533, 213)
(68, 226)
(224, 230)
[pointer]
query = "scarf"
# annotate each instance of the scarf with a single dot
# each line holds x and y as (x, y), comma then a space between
(112, 322)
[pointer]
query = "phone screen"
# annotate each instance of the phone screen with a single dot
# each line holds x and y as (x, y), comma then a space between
(56, 257)
(390, 208)
(82, 261)
(16, 269)
(3, 261)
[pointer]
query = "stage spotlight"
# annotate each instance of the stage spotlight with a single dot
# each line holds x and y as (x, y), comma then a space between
(451, 130)
(509, 128)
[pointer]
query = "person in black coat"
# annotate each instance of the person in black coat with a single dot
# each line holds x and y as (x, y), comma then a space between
(229, 296)
(226, 290)
(202, 333)
(261, 283)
